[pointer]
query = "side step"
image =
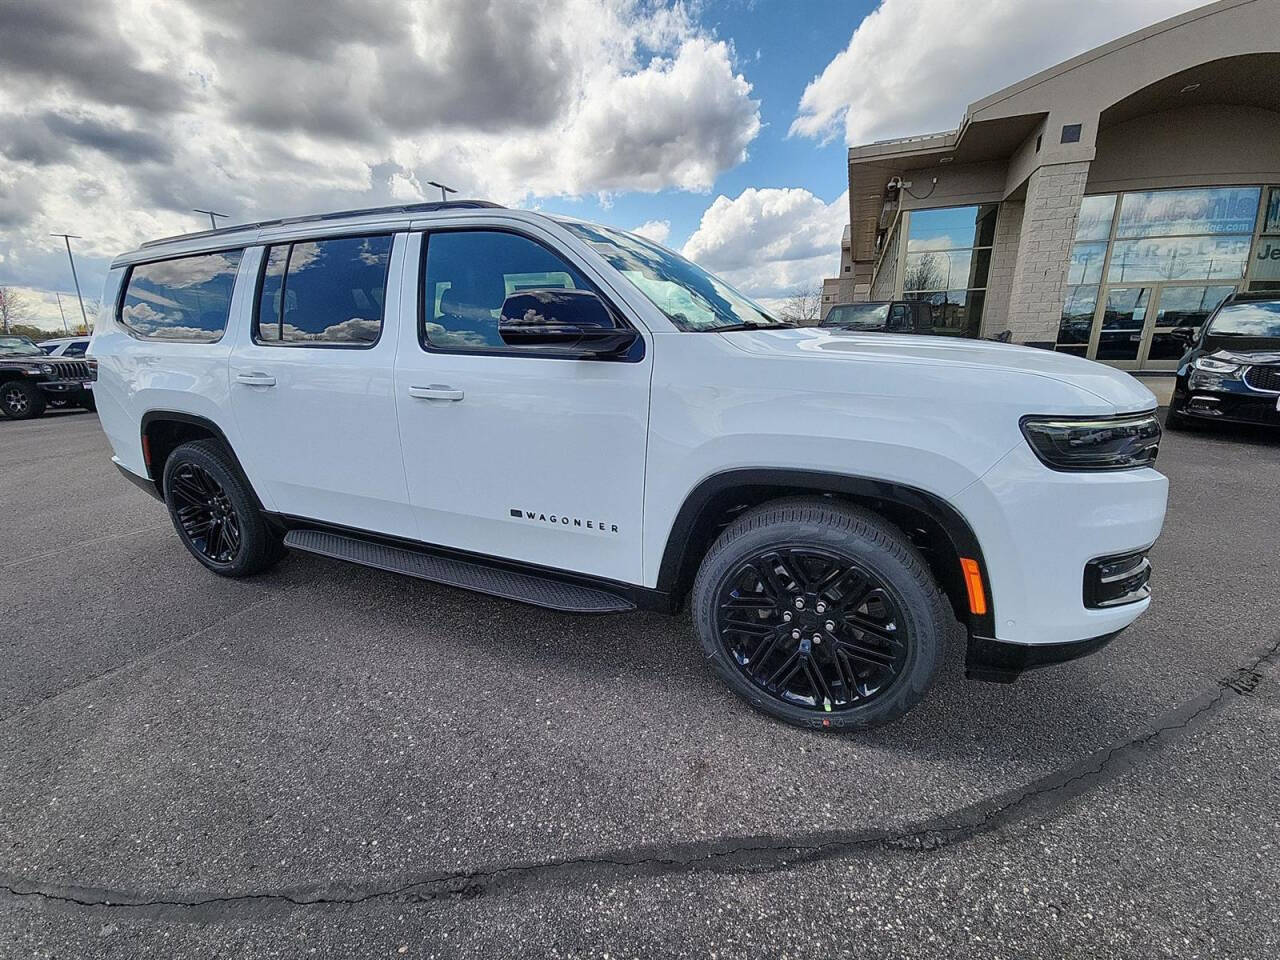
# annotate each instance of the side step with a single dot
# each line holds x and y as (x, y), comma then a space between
(513, 585)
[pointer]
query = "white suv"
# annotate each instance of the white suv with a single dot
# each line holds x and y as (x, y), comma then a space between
(565, 414)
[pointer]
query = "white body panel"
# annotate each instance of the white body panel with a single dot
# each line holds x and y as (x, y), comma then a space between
(341, 438)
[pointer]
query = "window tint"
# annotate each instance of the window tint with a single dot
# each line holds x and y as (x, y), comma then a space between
(186, 299)
(469, 275)
(324, 291)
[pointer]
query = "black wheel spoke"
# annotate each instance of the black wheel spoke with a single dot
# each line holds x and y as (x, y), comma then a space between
(204, 513)
(811, 627)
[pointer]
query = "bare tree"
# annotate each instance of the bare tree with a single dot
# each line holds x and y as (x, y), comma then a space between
(14, 308)
(804, 306)
(925, 273)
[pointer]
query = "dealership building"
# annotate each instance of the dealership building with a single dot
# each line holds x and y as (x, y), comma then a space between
(1091, 208)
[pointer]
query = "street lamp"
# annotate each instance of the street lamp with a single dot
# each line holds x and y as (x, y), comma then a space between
(212, 213)
(443, 190)
(67, 238)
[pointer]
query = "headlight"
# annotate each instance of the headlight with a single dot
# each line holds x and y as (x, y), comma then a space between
(1210, 365)
(1102, 443)
(46, 368)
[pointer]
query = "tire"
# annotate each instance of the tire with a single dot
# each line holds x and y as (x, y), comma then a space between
(21, 400)
(734, 608)
(215, 512)
(88, 402)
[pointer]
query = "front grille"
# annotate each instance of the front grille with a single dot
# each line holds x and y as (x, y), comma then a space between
(71, 370)
(1263, 378)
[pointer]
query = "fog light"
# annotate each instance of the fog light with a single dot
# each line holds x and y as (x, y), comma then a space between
(1113, 581)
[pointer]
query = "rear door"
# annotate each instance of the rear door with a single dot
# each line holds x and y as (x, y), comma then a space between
(510, 452)
(312, 382)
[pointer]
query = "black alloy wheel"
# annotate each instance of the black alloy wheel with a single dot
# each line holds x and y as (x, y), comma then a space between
(812, 628)
(207, 516)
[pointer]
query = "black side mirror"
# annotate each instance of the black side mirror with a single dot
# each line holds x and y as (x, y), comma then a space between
(1186, 335)
(557, 317)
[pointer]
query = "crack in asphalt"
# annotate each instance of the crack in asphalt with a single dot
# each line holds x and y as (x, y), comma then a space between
(79, 546)
(761, 854)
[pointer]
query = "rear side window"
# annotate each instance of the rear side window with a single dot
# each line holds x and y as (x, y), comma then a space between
(187, 299)
(323, 292)
(75, 349)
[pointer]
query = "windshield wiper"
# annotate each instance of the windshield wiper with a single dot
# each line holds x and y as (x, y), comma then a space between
(749, 325)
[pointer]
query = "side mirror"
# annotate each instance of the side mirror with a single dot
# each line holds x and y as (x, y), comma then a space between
(562, 318)
(1186, 335)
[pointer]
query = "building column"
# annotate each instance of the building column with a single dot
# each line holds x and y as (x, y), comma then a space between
(1052, 205)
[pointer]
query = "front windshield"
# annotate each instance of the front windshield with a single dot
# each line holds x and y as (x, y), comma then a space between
(859, 316)
(692, 299)
(1260, 319)
(19, 347)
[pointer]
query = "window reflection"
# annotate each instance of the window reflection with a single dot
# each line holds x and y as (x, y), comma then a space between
(324, 291)
(183, 299)
(948, 262)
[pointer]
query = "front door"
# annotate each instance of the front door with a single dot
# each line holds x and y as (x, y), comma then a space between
(510, 452)
(312, 383)
(1134, 326)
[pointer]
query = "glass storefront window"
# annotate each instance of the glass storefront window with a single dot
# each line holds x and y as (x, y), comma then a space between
(1179, 213)
(1179, 258)
(955, 312)
(952, 228)
(1122, 322)
(1272, 223)
(1264, 273)
(1077, 316)
(1096, 213)
(1086, 262)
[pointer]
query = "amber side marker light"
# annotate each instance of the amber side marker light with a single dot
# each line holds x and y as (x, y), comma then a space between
(973, 583)
(146, 450)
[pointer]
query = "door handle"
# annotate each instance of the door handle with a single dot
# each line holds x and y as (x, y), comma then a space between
(435, 392)
(256, 379)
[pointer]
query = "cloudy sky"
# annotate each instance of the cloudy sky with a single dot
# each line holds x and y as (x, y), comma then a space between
(717, 128)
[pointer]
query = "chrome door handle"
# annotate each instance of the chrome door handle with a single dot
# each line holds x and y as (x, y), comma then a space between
(435, 392)
(256, 379)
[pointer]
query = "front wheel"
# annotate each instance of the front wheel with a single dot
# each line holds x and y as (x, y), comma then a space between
(821, 614)
(215, 513)
(21, 400)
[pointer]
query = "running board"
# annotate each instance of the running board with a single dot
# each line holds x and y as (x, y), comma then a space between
(511, 584)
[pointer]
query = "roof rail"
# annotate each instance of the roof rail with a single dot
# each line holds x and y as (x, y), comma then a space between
(428, 207)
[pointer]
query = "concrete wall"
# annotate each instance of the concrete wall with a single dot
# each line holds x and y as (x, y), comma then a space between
(1195, 146)
(1004, 258)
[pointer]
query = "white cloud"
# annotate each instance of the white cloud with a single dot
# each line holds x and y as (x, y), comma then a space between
(912, 66)
(770, 242)
(655, 230)
(267, 109)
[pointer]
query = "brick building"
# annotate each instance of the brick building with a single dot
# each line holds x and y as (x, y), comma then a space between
(1090, 208)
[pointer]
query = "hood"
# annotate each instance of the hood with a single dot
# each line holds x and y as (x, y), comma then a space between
(1112, 386)
(1242, 349)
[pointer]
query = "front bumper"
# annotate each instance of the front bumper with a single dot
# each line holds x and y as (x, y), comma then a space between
(1212, 397)
(1039, 530)
(64, 388)
(999, 662)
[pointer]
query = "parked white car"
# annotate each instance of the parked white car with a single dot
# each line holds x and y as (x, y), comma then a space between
(565, 414)
(65, 346)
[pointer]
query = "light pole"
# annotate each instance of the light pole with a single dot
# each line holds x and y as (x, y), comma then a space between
(65, 328)
(67, 238)
(443, 190)
(212, 213)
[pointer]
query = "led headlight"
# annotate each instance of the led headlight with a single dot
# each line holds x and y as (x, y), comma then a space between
(1094, 443)
(1210, 365)
(46, 368)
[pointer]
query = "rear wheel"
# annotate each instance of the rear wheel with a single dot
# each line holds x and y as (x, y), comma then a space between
(87, 401)
(821, 614)
(21, 400)
(215, 513)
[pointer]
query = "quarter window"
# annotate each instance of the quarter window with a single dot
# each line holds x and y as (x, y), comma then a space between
(470, 273)
(323, 292)
(186, 299)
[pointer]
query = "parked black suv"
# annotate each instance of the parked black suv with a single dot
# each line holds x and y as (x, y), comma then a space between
(1231, 371)
(29, 380)
(885, 316)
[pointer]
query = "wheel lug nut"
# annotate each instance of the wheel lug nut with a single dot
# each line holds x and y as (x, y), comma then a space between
(817, 638)
(795, 634)
(799, 603)
(831, 626)
(822, 607)
(786, 616)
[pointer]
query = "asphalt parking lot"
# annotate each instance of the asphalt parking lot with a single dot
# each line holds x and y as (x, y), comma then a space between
(333, 761)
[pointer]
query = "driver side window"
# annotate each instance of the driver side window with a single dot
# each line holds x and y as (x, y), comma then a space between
(467, 276)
